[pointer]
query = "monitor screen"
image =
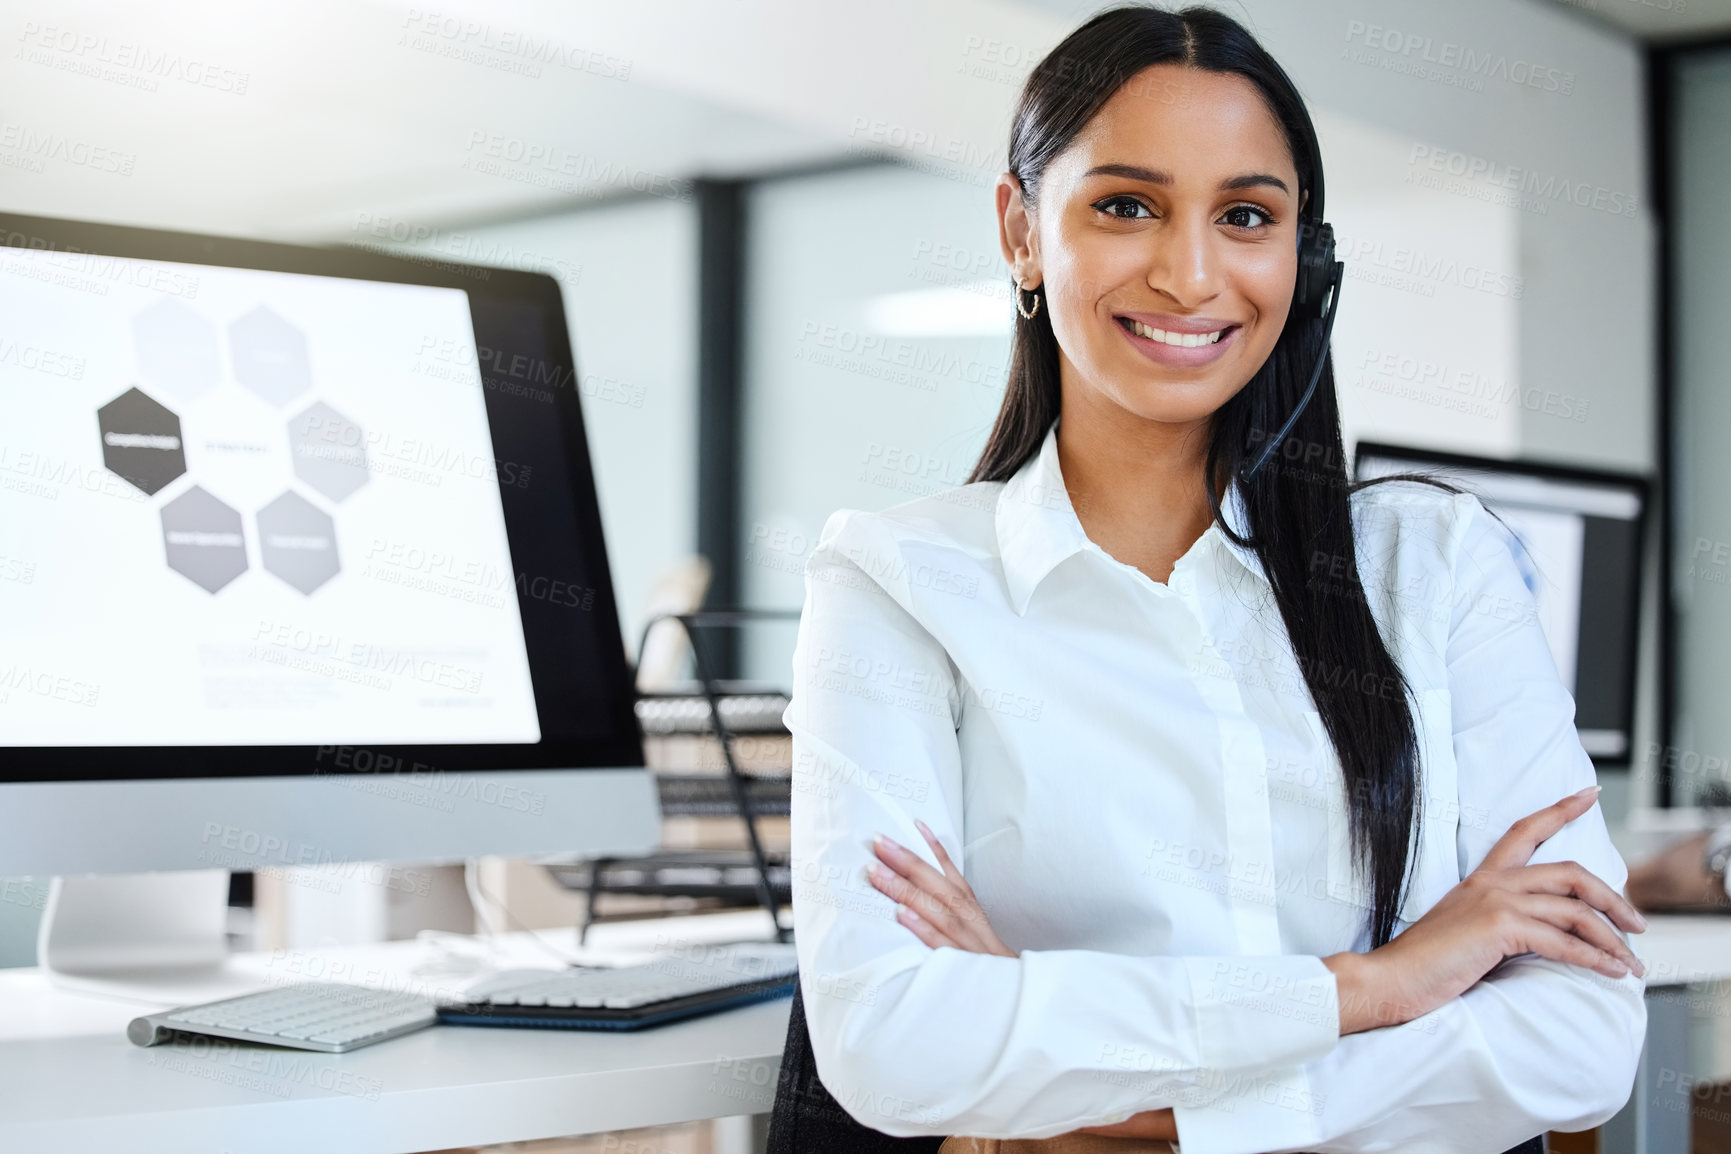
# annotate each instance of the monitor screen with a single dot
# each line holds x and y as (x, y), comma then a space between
(1577, 539)
(273, 506)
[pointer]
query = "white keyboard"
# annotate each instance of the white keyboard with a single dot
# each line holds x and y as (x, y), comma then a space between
(323, 1016)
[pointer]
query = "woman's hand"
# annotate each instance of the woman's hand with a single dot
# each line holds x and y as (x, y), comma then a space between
(1503, 908)
(940, 908)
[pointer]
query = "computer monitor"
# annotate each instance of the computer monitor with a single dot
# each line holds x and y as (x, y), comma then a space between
(1578, 540)
(300, 562)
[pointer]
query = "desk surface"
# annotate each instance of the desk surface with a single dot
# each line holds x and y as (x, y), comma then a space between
(1681, 948)
(73, 1082)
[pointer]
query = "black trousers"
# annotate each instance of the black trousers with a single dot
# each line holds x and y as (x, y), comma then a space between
(807, 1120)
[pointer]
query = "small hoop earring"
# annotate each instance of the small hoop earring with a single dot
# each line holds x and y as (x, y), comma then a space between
(1027, 314)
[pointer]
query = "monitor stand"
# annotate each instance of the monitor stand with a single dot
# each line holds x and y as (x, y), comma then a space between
(158, 939)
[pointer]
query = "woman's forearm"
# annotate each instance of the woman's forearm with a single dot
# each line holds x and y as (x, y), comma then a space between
(1362, 1006)
(1159, 1124)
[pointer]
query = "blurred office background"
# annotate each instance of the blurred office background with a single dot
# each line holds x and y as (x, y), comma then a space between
(773, 224)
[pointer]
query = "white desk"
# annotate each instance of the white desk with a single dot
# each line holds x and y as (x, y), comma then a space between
(73, 1083)
(1677, 950)
(70, 1081)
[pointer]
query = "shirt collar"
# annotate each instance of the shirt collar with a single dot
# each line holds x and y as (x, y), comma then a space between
(1038, 528)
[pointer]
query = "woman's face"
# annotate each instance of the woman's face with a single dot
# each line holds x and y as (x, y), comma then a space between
(1171, 218)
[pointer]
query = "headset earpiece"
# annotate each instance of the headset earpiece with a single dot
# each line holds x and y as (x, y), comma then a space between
(1317, 270)
(1317, 295)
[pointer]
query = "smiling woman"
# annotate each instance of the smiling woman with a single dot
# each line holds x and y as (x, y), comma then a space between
(1098, 921)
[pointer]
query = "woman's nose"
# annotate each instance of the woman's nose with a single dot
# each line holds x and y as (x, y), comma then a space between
(1183, 263)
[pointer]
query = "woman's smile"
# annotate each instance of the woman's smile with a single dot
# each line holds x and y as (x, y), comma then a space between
(1178, 342)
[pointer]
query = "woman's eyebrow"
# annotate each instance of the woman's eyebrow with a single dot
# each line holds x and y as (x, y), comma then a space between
(1155, 176)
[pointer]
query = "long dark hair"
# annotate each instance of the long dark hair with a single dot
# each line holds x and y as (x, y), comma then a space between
(1297, 505)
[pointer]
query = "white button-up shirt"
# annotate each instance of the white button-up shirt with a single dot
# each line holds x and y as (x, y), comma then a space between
(1134, 781)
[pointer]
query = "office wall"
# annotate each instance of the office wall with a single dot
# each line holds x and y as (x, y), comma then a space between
(1702, 295)
(854, 401)
(629, 277)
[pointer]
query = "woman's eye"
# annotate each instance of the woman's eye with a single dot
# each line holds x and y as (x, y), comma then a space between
(1236, 213)
(1123, 207)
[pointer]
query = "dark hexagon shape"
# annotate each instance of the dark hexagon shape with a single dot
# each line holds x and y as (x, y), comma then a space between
(269, 356)
(204, 539)
(141, 441)
(176, 350)
(298, 542)
(329, 450)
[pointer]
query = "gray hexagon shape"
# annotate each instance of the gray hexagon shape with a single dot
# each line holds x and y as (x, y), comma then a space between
(141, 441)
(329, 450)
(298, 542)
(203, 539)
(269, 356)
(177, 350)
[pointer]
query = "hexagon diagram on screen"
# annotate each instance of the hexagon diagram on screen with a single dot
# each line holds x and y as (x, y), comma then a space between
(204, 539)
(330, 451)
(298, 542)
(269, 356)
(141, 441)
(176, 350)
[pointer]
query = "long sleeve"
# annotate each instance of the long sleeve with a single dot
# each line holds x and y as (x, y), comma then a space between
(915, 1041)
(1537, 1045)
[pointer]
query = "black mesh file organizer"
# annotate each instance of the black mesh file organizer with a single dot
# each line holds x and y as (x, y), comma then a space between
(725, 876)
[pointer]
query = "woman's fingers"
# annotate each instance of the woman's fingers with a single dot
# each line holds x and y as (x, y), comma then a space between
(1580, 919)
(1572, 878)
(951, 870)
(904, 892)
(911, 900)
(943, 901)
(925, 890)
(909, 864)
(1515, 848)
(924, 930)
(1548, 941)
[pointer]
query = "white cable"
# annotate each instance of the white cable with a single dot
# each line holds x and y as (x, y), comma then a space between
(477, 900)
(484, 903)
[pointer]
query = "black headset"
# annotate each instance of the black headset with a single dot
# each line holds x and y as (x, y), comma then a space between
(1315, 296)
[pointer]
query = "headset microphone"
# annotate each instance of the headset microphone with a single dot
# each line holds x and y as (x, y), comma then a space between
(1319, 276)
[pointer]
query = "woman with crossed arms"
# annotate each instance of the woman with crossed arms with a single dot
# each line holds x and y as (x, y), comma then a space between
(1150, 799)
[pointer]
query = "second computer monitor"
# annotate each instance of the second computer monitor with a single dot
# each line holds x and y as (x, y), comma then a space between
(1578, 541)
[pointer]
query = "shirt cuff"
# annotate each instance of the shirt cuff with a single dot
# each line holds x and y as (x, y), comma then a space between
(1268, 1110)
(1263, 1011)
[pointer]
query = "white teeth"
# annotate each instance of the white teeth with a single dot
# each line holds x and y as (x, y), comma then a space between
(1182, 340)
